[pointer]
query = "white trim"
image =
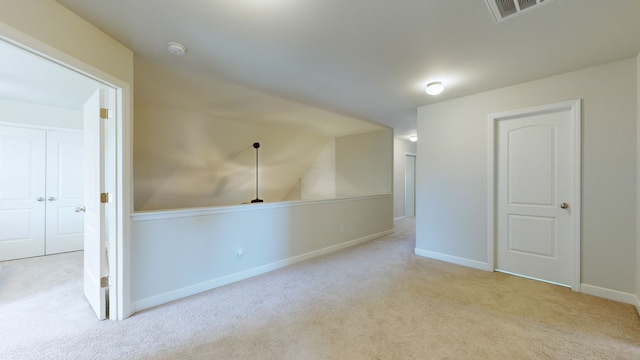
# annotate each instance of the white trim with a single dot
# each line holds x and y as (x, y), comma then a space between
(575, 107)
(36, 47)
(615, 295)
(454, 259)
(491, 196)
(576, 110)
(203, 211)
(118, 261)
(173, 295)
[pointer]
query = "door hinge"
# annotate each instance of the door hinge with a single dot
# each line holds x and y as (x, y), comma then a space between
(105, 198)
(104, 282)
(104, 113)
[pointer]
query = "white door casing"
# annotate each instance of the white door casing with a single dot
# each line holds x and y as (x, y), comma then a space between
(534, 193)
(117, 147)
(95, 262)
(22, 192)
(65, 184)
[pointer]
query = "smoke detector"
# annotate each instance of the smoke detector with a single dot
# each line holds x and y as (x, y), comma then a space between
(176, 48)
(506, 9)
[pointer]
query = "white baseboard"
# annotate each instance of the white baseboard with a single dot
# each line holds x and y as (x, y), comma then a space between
(614, 295)
(454, 259)
(173, 295)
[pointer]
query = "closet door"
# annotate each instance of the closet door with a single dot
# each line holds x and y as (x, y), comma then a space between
(65, 192)
(22, 192)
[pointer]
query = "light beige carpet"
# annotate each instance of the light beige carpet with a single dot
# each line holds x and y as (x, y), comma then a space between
(373, 301)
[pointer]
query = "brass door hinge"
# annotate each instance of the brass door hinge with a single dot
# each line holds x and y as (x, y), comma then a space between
(104, 113)
(104, 282)
(105, 198)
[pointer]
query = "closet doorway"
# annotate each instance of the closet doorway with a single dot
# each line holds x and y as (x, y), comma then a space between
(410, 186)
(40, 189)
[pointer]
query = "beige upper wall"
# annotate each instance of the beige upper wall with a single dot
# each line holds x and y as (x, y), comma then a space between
(54, 25)
(319, 181)
(452, 169)
(187, 159)
(364, 164)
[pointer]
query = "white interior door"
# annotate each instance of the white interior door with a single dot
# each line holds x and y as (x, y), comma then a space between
(535, 195)
(410, 186)
(65, 192)
(95, 262)
(22, 192)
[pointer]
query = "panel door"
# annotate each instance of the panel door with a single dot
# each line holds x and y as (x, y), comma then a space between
(95, 258)
(534, 196)
(65, 192)
(22, 192)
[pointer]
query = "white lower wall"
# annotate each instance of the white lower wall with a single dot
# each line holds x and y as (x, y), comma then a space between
(179, 253)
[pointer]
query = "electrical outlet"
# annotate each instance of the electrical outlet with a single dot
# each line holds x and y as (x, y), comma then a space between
(239, 251)
(341, 227)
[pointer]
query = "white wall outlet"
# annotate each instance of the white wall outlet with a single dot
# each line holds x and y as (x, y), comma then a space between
(341, 227)
(239, 251)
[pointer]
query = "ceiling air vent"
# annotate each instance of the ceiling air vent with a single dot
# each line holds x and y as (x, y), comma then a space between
(505, 9)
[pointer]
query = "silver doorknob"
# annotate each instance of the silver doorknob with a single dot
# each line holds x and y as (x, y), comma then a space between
(80, 209)
(564, 205)
(51, 198)
(40, 198)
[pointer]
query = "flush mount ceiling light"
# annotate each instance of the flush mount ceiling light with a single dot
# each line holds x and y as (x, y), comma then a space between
(413, 138)
(434, 88)
(176, 48)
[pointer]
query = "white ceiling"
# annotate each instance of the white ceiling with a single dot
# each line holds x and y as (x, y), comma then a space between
(364, 59)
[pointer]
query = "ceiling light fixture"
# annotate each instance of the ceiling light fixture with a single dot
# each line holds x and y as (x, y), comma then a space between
(176, 48)
(434, 88)
(413, 138)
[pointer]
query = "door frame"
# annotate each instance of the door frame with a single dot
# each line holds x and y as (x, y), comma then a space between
(575, 109)
(118, 143)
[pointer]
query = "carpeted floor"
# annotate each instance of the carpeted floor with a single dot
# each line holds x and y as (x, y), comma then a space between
(373, 301)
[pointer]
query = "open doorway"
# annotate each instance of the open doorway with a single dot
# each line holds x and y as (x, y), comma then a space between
(410, 186)
(41, 185)
(44, 84)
